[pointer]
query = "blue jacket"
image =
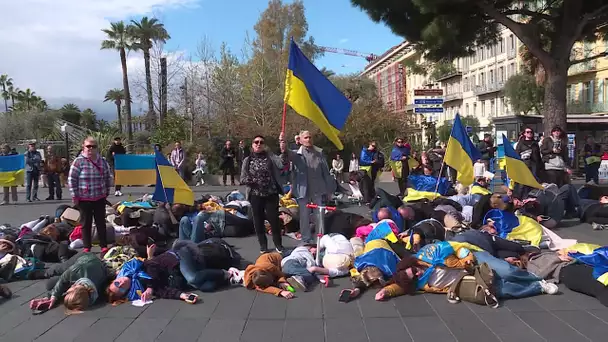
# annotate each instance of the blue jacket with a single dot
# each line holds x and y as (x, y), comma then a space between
(399, 152)
(367, 157)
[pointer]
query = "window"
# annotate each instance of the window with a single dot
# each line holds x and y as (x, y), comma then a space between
(513, 68)
(588, 86)
(501, 74)
(503, 106)
(475, 109)
(511, 42)
(491, 76)
(465, 82)
(600, 91)
(492, 108)
(483, 109)
(466, 110)
(569, 97)
(482, 79)
(501, 45)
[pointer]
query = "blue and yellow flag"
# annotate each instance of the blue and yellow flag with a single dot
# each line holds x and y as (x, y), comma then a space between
(517, 171)
(461, 153)
(313, 96)
(133, 169)
(170, 187)
(12, 170)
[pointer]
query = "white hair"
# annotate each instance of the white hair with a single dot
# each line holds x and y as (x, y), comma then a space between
(303, 132)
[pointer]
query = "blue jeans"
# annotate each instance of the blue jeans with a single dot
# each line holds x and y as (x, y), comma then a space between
(31, 178)
(592, 173)
(297, 268)
(199, 277)
(193, 232)
(510, 281)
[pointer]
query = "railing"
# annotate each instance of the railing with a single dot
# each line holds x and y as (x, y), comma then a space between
(453, 96)
(488, 88)
(583, 67)
(586, 108)
(511, 53)
(447, 75)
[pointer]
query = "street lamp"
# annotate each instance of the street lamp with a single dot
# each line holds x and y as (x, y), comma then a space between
(66, 129)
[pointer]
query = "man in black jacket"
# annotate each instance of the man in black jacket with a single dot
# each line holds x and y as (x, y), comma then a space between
(116, 148)
(228, 154)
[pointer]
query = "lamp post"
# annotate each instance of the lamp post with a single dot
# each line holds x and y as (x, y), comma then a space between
(66, 130)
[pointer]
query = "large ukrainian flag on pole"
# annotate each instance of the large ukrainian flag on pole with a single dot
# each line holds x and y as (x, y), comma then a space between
(517, 171)
(461, 154)
(313, 96)
(12, 170)
(170, 187)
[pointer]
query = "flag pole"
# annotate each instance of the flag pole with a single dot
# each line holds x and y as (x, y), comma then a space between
(284, 117)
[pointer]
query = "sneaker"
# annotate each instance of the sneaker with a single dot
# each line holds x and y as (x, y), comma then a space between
(117, 193)
(198, 184)
(36, 199)
(597, 226)
(263, 251)
(4, 203)
(49, 198)
(549, 288)
(297, 282)
(280, 250)
(236, 276)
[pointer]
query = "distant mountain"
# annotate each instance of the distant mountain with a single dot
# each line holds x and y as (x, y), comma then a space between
(104, 110)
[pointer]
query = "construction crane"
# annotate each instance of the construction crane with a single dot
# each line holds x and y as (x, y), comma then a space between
(368, 56)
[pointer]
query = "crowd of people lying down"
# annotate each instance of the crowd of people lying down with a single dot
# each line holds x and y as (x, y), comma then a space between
(452, 244)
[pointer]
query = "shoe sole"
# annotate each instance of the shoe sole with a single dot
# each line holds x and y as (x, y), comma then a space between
(296, 284)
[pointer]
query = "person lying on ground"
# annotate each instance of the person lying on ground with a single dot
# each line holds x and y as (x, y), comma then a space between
(45, 245)
(266, 276)
(553, 204)
(429, 272)
(338, 254)
(486, 239)
(595, 212)
(78, 286)
(217, 223)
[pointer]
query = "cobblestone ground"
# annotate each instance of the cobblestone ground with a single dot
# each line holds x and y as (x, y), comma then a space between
(241, 315)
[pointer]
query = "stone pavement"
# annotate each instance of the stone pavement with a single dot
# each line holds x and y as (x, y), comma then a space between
(241, 315)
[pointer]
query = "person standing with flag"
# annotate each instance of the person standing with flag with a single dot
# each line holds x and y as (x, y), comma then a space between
(400, 156)
(311, 179)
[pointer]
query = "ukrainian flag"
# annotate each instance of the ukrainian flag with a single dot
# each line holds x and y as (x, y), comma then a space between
(132, 169)
(517, 171)
(170, 187)
(12, 170)
(313, 96)
(461, 154)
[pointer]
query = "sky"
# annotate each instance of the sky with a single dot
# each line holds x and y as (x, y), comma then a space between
(53, 46)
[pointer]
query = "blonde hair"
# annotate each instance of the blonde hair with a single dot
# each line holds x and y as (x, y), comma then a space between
(76, 300)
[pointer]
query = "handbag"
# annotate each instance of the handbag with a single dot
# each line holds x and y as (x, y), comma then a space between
(475, 288)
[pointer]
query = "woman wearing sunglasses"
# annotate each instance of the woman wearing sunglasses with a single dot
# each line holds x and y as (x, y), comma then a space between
(261, 173)
(90, 181)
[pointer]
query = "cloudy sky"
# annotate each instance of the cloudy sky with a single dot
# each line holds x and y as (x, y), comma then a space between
(53, 46)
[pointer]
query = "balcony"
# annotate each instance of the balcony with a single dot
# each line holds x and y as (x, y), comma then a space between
(511, 53)
(581, 68)
(586, 108)
(453, 96)
(488, 88)
(448, 75)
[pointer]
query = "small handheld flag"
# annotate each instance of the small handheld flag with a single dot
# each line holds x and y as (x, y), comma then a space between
(461, 153)
(517, 170)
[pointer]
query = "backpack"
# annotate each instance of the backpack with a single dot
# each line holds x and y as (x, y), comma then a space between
(476, 288)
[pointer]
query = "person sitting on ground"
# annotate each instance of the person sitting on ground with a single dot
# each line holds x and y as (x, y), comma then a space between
(480, 187)
(365, 184)
(78, 285)
(266, 276)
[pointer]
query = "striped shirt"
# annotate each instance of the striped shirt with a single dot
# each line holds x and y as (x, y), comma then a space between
(89, 180)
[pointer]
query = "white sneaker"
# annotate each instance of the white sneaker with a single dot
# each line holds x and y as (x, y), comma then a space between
(597, 226)
(117, 193)
(198, 184)
(549, 288)
(236, 276)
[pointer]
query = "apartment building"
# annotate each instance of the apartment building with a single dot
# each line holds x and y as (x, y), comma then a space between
(587, 91)
(472, 88)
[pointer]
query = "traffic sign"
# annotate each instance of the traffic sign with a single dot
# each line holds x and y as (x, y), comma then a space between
(428, 101)
(428, 92)
(428, 110)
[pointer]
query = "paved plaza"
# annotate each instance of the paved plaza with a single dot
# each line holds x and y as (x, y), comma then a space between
(241, 315)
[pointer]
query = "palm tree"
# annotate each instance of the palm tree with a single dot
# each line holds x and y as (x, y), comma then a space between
(117, 96)
(12, 92)
(6, 83)
(71, 113)
(327, 72)
(119, 38)
(40, 104)
(88, 119)
(146, 32)
(27, 96)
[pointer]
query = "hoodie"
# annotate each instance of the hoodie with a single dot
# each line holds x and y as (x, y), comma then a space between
(271, 263)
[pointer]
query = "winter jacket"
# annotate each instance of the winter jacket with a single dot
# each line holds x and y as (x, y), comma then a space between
(87, 266)
(271, 263)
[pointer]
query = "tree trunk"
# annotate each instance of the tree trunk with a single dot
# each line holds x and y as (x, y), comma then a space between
(5, 99)
(125, 82)
(118, 104)
(151, 115)
(554, 105)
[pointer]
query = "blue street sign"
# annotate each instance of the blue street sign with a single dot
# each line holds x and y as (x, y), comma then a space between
(428, 101)
(429, 110)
